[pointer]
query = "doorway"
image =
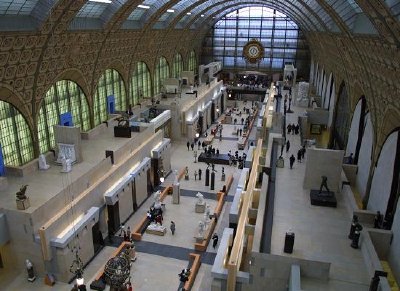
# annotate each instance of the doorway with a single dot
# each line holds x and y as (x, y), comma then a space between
(113, 218)
(150, 187)
(97, 237)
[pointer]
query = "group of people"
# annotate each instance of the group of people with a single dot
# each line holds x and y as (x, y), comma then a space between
(300, 154)
(155, 215)
(237, 159)
(292, 128)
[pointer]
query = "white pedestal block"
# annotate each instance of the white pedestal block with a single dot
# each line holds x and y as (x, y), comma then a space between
(23, 204)
(3, 183)
(200, 208)
(176, 193)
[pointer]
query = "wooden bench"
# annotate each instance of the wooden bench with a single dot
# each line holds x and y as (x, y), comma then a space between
(181, 174)
(194, 269)
(137, 231)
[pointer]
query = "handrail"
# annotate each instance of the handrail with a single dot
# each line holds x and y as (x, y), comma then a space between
(235, 257)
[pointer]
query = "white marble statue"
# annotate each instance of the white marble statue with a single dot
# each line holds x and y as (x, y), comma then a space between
(176, 181)
(207, 214)
(66, 165)
(42, 163)
(200, 198)
(157, 202)
(201, 229)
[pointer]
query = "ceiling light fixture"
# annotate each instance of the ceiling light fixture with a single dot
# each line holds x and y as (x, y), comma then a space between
(143, 6)
(202, 15)
(101, 1)
(170, 10)
(189, 13)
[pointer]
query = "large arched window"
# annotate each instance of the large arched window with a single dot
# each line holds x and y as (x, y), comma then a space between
(177, 66)
(192, 62)
(110, 83)
(15, 137)
(342, 120)
(64, 96)
(140, 83)
(281, 38)
(160, 74)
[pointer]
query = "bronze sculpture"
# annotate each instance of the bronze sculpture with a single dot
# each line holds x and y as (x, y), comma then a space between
(21, 193)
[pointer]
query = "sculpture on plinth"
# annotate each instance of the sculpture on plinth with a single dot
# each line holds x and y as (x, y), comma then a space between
(201, 229)
(21, 193)
(176, 180)
(157, 201)
(29, 269)
(324, 184)
(207, 215)
(22, 200)
(200, 206)
(323, 198)
(42, 162)
(66, 165)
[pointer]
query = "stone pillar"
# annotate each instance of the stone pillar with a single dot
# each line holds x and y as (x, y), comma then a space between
(176, 193)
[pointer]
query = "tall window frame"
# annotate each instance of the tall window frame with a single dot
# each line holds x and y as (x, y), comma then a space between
(15, 136)
(177, 67)
(160, 74)
(192, 61)
(110, 83)
(281, 38)
(64, 96)
(140, 85)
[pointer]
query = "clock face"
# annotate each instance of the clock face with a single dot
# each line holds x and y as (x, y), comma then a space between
(253, 51)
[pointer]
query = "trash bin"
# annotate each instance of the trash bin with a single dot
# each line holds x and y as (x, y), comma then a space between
(289, 242)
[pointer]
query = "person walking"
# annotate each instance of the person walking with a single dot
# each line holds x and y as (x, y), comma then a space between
(172, 227)
(299, 156)
(195, 175)
(192, 146)
(200, 172)
(188, 145)
(289, 128)
(287, 145)
(303, 152)
(198, 145)
(291, 160)
(215, 240)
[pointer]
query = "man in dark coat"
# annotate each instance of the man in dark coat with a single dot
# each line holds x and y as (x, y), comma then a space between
(291, 160)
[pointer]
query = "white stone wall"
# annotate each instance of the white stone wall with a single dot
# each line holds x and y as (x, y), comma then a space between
(125, 202)
(353, 133)
(141, 187)
(332, 105)
(364, 158)
(394, 253)
(383, 175)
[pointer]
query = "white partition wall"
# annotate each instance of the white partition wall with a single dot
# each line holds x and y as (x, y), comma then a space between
(331, 168)
(332, 105)
(364, 158)
(354, 128)
(394, 252)
(125, 202)
(383, 175)
(140, 180)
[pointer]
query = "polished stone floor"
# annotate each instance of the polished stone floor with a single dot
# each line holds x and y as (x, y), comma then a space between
(321, 233)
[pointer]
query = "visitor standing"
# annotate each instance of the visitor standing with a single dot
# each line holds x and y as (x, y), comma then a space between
(291, 160)
(172, 227)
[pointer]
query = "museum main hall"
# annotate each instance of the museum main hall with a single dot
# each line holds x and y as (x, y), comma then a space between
(200, 145)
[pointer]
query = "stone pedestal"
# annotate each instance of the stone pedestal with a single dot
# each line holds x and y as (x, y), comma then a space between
(23, 204)
(176, 192)
(3, 183)
(223, 177)
(200, 208)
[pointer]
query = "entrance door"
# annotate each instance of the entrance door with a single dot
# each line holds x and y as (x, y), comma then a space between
(134, 202)
(155, 177)
(97, 237)
(150, 187)
(113, 218)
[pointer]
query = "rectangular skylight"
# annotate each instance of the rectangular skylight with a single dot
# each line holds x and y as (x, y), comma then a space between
(101, 1)
(171, 10)
(143, 6)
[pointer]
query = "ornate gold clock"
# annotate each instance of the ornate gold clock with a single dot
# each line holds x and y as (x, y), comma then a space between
(253, 51)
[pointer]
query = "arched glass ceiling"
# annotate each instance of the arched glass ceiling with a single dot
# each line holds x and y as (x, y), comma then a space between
(94, 14)
(24, 14)
(306, 22)
(394, 6)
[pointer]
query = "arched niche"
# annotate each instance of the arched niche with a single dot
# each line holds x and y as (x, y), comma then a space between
(331, 103)
(15, 136)
(326, 97)
(192, 61)
(356, 129)
(321, 82)
(365, 156)
(62, 97)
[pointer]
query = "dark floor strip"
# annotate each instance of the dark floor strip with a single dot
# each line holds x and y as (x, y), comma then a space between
(207, 195)
(163, 250)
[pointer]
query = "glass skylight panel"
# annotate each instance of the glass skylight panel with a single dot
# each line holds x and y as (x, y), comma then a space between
(347, 10)
(394, 6)
(92, 10)
(17, 7)
(164, 16)
(137, 14)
